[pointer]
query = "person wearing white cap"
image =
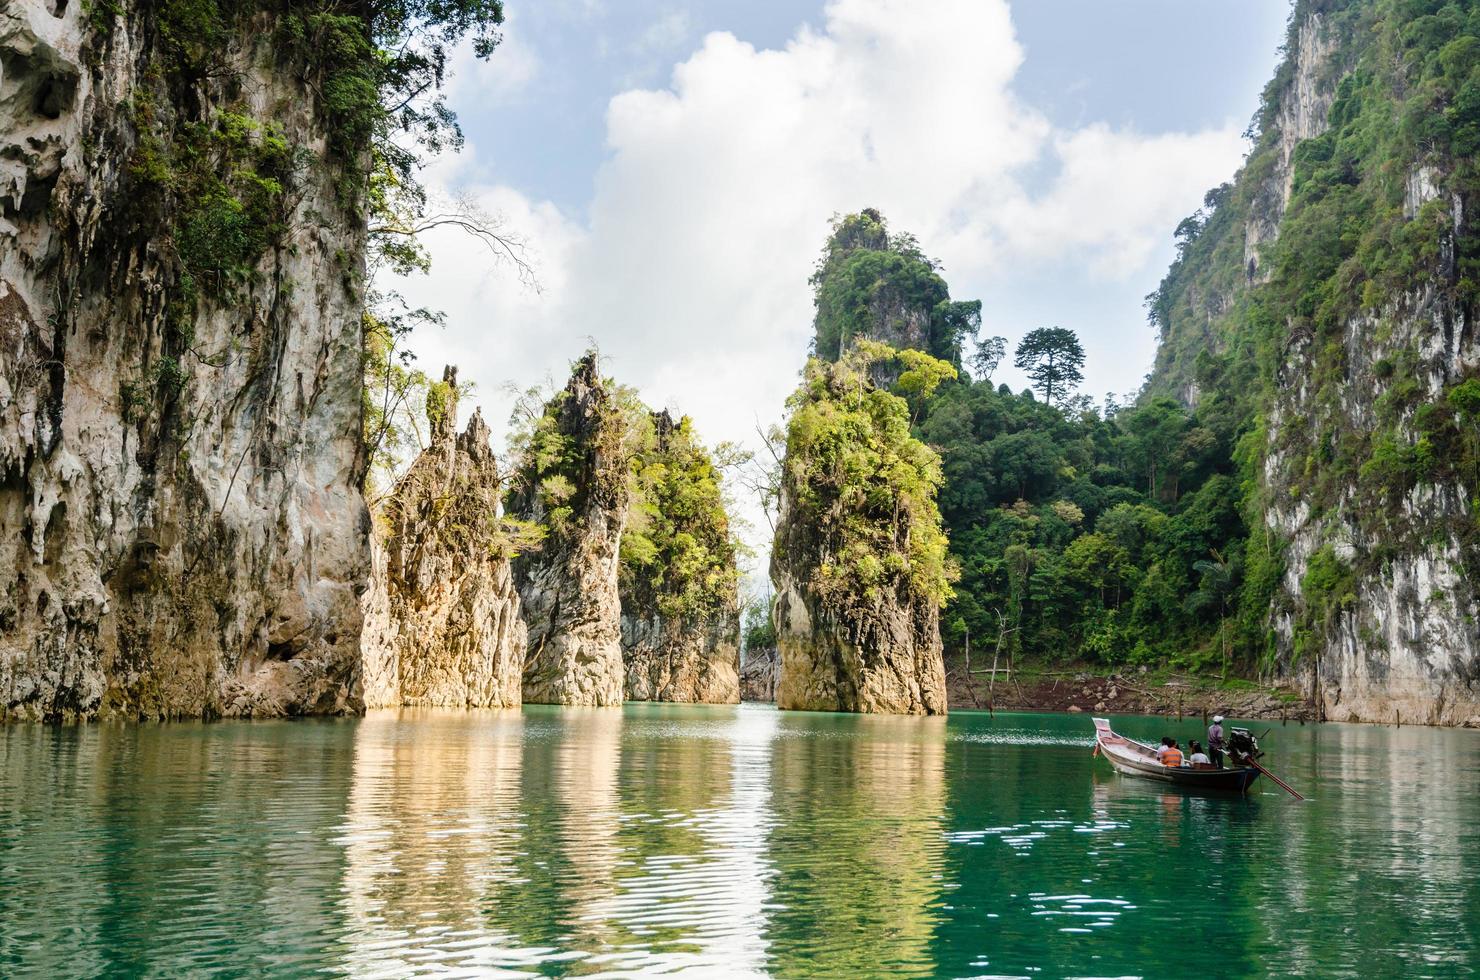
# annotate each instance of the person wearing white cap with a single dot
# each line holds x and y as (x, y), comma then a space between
(1215, 741)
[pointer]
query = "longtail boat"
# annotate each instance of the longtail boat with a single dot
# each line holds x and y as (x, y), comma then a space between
(1132, 758)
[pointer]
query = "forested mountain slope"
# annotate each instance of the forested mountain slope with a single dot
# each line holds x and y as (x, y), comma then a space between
(1296, 493)
(1323, 303)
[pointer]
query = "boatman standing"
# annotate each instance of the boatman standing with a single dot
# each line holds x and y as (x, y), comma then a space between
(1215, 741)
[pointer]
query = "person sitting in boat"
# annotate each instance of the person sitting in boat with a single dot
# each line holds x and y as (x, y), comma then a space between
(1198, 756)
(1215, 741)
(1169, 755)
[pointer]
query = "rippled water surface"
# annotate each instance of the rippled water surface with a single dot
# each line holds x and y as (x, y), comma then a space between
(724, 841)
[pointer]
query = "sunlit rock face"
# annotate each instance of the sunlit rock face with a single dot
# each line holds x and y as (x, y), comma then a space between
(681, 625)
(758, 673)
(448, 632)
(1405, 643)
(1376, 609)
(568, 587)
(883, 656)
(682, 659)
(181, 526)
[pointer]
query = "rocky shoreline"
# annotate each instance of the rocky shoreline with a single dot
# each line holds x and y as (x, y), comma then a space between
(1075, 691)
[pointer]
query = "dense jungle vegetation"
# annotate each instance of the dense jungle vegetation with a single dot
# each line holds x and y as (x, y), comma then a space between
(860, 486)
(678, 555)
(1110, 534)
(1135, 533)
(679, 552)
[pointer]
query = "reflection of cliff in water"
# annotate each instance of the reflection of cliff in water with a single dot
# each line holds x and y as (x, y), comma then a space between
(688, 889)
(568, 850)
(1382, 840)
(131, 844)
(431, 834)
(859, 845)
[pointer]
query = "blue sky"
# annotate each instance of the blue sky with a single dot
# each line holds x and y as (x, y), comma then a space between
(1162, 65)
(673, 167)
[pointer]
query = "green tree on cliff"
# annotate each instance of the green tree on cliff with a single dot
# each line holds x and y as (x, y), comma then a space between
(384, 69)
(986, 354)
(1052, 356)
(861, 480)
(677, 550)
(879, 286)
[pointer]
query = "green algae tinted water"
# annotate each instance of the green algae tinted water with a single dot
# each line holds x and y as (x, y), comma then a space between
(724, 842)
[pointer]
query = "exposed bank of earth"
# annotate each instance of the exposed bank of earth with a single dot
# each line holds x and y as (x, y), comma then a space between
(1092, 690)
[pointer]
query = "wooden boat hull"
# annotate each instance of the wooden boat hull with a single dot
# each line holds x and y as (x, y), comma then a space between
(1132, 758)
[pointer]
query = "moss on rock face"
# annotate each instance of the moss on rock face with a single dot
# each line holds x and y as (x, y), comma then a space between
(574, 481)
(679, 580)
(182, 258)
(860, 562)
(184, 420)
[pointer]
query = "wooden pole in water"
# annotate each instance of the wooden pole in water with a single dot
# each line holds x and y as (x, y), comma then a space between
(1277, 780)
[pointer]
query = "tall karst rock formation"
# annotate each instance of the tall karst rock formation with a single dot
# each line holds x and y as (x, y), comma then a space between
(679, 582)
(574, 481)
(880, 286)
(859, 561)
(443, 625)
(181, 526)
(1327, 297)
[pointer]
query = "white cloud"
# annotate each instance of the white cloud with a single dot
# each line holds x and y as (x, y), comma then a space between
(666, 32)
(500, 78)
(1117, 195)
(691, 268)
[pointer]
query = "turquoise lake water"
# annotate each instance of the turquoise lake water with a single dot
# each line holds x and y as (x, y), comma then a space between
(724, 841)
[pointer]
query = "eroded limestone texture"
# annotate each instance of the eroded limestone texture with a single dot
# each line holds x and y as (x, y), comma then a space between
(682, 659)
(880, 655)
(758, 674)
(450, 633)
(181, 526)
(574, 481)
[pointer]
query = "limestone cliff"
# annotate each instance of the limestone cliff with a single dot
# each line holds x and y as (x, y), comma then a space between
(679, 582)
(859, 561)
(875, 285)
(1328, 295)
(758, 674)
(181, 526)
(450, 634)
(573, 480)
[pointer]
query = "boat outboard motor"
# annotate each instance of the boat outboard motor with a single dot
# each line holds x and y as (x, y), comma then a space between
(1243, 747)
